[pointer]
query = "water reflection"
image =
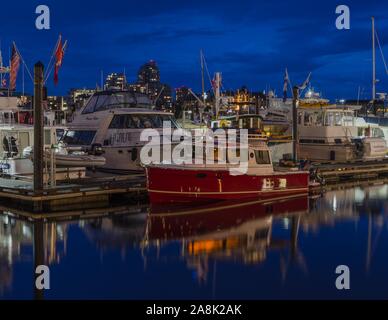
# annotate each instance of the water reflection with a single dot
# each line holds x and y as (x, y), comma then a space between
(283, 235)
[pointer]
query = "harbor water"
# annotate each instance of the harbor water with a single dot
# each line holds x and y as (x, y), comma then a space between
(288, 249)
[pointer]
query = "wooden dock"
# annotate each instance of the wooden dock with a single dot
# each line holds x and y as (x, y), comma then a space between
(90, 192)
(335, 172)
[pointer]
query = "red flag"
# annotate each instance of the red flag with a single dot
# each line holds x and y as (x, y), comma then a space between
(15, 64)
(58, 58)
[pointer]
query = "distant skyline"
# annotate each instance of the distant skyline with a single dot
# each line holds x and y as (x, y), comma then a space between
(250, 42)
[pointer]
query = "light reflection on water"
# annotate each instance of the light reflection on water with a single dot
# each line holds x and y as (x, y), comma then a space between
(286, 249)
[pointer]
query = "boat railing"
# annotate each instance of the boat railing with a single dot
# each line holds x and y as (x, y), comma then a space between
(7, 119)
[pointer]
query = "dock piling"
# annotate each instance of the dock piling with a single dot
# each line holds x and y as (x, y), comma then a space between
(295, 102)
(38, 131)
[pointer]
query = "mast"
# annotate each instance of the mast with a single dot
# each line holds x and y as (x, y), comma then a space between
(373, 61)
(1, 68)
(217, 92)
(202, 78)
(23, 79)
(203, 87)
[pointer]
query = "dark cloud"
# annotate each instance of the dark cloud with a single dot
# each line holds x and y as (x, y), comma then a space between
(250, 41)
(164, 35)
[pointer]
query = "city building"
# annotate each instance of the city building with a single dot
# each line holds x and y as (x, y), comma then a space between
(56, 103)
(148, 82)
(115, 81)
(78, 97)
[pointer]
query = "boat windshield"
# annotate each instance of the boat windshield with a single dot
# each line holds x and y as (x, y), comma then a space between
(115, 100)
(250, 123)
(142, 121)
(262, 157)
(78, 137)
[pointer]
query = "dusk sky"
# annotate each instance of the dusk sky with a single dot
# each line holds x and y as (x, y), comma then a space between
(250, 42)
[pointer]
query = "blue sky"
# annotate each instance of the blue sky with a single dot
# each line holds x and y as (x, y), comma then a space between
(250, 42)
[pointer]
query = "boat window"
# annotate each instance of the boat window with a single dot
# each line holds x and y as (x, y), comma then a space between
(59, 133)
(377, 132)
(90, 105)
(80, 137)
(47, 137)
(245, 123)
(348, 119)
(122, 121)
(262, 157)
(101, 101)
(329, 121)
(307, 119)
(141, 121)
(338, 119)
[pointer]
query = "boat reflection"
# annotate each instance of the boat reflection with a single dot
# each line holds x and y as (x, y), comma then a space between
(18, 237)
(200, 236)
(226, 230)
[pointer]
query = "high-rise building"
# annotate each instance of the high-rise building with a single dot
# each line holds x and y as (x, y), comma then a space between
(182, 94)
(115, 81)
(148, 82)
(148, 73)
(79, 96)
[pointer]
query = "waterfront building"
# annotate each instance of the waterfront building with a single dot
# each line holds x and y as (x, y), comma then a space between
(116, 81)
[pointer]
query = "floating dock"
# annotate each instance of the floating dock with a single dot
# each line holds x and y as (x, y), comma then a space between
(90, 192)
(335, 172)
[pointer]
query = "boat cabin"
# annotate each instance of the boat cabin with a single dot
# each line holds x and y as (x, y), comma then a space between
(15, 139)
(325, 117)
(224, 156)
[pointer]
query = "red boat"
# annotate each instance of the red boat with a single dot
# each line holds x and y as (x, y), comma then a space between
(204, 183)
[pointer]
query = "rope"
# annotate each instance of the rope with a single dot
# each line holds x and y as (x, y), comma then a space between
(52, 56)
(208, 74)
(52, 66)
(382, 54)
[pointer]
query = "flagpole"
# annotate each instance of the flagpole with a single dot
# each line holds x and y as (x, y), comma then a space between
(9, 78)
(23, 79)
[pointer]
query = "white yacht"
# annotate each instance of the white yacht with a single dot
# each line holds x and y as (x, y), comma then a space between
(16, 145)
(331, 133)
(110, 123)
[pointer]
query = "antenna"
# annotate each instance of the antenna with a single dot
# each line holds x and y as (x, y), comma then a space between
(373, 61)
(102, 80)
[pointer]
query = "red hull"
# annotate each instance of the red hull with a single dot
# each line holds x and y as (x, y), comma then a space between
(176, 222)
(175, 185)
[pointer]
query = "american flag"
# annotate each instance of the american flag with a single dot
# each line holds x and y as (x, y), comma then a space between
(15, 64)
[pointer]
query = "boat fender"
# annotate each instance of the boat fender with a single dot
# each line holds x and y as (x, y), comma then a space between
(97, 149)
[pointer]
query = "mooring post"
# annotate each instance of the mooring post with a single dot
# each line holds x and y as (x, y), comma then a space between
(38, 133)
(295, 103)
